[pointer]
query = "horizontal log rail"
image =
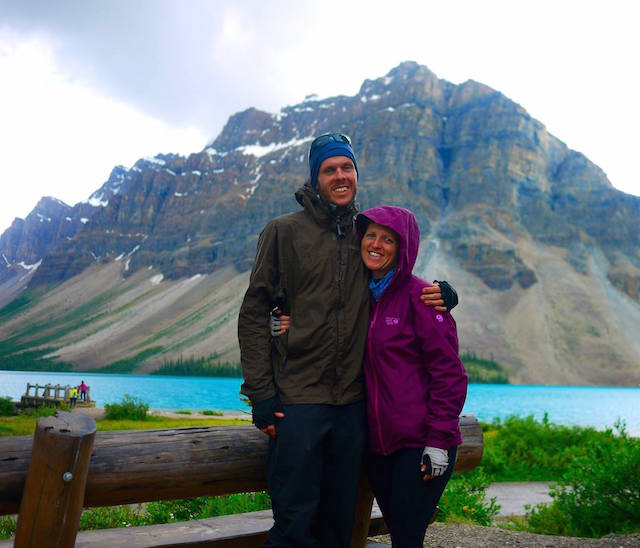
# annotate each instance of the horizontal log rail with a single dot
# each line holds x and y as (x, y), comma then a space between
(147, 465)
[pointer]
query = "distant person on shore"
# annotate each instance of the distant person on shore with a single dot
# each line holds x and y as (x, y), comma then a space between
(307, 389)
(83, 391)
(73, 397)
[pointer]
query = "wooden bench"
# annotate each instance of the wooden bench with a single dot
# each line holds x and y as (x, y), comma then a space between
(66, 466)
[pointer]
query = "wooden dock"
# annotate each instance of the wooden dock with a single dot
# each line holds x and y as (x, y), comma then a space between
(37, 395)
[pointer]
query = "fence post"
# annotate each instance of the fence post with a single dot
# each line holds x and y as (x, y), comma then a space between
(53, 494)
(362, 516)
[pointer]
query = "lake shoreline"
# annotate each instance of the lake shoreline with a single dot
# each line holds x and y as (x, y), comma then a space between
(597, 407)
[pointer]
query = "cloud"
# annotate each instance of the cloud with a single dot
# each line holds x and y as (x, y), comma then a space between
(138, 71)
(66, 137)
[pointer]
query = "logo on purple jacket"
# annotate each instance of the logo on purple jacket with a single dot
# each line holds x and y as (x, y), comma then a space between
(392, 321)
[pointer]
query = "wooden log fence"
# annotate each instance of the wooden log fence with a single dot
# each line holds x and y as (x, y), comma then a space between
(127, 467)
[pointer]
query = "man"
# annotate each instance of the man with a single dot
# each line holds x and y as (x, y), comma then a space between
(306, 388)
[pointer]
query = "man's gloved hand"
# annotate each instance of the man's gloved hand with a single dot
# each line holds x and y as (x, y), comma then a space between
(279, 323)
(449, 295)
(275, 327)
(435, 462)
(263, 412)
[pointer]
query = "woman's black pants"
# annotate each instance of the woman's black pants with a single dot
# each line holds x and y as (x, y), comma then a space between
(407, 501)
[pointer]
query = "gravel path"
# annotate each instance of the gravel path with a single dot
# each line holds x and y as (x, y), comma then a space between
(443, 535)
(512, 497)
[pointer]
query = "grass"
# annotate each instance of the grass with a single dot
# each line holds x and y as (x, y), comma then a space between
(210, 412)
(171, 511)
(153, 421)
(25, 425)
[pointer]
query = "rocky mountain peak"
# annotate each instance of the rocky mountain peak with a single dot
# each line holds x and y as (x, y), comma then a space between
(506, 210)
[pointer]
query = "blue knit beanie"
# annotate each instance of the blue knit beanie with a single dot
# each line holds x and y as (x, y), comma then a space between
(320, 154)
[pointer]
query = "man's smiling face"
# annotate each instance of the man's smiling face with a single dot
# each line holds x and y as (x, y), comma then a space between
(338, 180)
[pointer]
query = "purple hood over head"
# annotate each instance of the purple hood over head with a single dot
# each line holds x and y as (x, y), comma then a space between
(404, 224)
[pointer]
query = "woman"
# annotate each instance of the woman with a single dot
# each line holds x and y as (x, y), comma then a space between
(416, 384)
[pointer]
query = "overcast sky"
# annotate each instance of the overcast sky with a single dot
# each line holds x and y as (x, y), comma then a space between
(86, 85)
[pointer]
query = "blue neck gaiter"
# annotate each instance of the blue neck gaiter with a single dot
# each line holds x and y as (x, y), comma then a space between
(377, 287)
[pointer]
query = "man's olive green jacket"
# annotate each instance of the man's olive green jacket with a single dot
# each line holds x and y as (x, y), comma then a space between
(309, 263)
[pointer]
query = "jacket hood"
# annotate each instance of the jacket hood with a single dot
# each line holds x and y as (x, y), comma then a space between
(325, 214)
(404, 224)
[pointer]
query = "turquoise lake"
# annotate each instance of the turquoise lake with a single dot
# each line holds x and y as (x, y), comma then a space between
(571, 405)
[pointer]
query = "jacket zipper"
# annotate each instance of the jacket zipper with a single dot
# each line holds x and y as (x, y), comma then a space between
(375, 378)
(340, 277)
(373, 368)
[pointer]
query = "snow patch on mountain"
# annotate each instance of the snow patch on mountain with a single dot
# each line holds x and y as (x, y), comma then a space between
(96, 200)
(33, 266)
(259, 151)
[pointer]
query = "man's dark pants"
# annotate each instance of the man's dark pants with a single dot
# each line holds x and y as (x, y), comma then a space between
(313, 471)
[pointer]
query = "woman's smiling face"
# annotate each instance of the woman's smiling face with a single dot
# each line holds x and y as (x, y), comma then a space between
(379, 249)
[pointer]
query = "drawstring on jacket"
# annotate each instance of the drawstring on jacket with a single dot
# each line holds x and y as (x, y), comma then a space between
(339, 228)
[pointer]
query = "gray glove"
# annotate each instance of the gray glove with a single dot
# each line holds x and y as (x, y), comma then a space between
(274, 322)
(436, 461)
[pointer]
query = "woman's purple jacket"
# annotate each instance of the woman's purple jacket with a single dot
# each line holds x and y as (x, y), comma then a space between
(415, 382)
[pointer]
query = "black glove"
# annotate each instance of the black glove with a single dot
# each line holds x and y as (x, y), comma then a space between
(449, 295)
(262, 412)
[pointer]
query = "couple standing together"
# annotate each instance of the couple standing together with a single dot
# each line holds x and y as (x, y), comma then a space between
(356, 322)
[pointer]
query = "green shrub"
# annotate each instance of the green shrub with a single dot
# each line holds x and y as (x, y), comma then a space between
(210, 412)
(523, 449)
(184, 412)
(598, 494)
(464, 500)
(129, 408)
(40, 411)
(7, 527)
(7, 407)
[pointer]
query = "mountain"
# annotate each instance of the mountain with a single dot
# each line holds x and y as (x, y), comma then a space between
(544, 252)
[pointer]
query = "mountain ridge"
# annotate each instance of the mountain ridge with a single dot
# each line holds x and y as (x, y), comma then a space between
(500, 203)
